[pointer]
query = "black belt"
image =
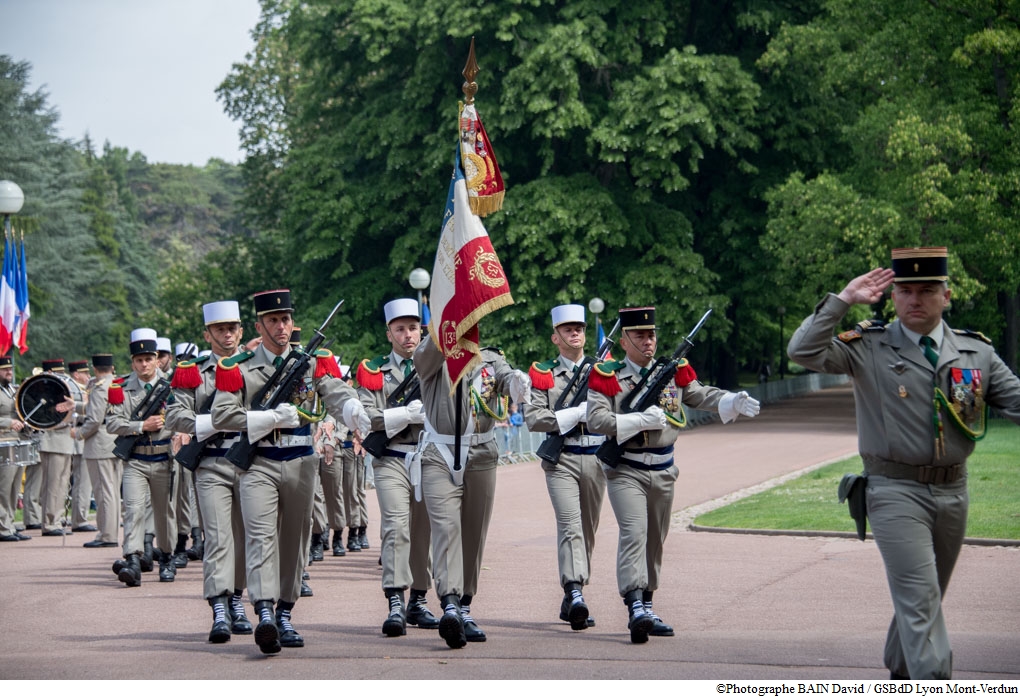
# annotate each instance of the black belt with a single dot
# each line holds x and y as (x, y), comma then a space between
(925, 474)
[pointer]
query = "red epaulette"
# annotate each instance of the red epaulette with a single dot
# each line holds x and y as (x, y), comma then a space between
(186, 376)
(602, 378)
(368, 377)
(229, 377)
(685, 374)
(325, 364)
(115, 395)
(541, 376)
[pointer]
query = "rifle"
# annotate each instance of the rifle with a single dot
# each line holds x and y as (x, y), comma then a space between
(278, 389)
(152, 403)
(408, 391)
(647, 392)
(191, 454)
(552, 446)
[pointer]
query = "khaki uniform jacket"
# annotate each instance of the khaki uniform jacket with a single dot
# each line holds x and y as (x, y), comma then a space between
(118, 418)
(97, 442)
(7, 414)
(894, 384)
(602, 409)
(374, 402)
(180, 416)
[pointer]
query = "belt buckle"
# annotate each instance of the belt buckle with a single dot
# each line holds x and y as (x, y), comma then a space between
(646, 458)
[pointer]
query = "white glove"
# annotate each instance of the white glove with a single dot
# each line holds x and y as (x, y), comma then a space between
(520, 388)
(629, 425)
(203, 427)
(397, 419)
(262, 423)
(738, 403)
(569, 417)
(356, 418)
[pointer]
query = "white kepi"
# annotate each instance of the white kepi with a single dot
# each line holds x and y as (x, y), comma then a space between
(401, 307)
(562, 314)
(221, 311)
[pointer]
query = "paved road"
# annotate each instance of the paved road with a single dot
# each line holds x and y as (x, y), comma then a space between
(745, 606)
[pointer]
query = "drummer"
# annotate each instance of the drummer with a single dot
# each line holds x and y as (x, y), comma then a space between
(55, 450)
(12, 447)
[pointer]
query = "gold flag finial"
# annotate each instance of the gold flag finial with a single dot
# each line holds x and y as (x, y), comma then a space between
(470, 87)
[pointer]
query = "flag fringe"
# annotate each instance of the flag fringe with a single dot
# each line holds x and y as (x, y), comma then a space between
(484, 205)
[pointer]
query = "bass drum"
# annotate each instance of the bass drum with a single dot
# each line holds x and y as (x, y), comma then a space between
(37, 399)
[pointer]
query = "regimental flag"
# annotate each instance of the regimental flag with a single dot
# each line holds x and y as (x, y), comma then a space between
(8, 299)
(21, 297)
(481, 173)
(468, 281)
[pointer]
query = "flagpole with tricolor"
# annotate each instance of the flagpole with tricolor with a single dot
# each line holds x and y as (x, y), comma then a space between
(468, 281)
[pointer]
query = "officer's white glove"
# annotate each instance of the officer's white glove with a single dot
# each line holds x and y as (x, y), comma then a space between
(738, 403)
(356, 418)
(520, 387)
(203, 427)
(629, 425)
(399, 418)
(569, 417)
(262, 423)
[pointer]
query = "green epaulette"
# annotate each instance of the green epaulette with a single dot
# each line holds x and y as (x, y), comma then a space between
(323, 353)
(546, 366)
(377, 362)
(236, 359)
(193, 361)
(610, 367)
(973, 334)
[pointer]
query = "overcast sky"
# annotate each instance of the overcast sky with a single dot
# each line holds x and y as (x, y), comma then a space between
(140, 74)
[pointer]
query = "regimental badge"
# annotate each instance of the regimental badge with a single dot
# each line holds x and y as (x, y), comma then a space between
(966, 396)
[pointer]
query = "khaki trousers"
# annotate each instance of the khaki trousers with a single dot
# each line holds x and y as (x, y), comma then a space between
(217, 489)
(642, 502)
(31, 502)
(919, 530)
(105, 475)
(404, 528)
(459, 516)
(276, 503)
(577, 487)
(56, 471)
(81, 491)
(331, 476)
(10, 487)
(187, 508)
(349, 486)
(149, 488)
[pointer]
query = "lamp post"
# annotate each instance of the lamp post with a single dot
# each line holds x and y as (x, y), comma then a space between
(596, 306)
(12, 198)
(419, 280)
(782, 354)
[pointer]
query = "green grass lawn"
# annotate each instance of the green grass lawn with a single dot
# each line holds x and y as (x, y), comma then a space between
(810, 502)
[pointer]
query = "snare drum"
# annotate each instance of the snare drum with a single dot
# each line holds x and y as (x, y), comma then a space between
(18, 453)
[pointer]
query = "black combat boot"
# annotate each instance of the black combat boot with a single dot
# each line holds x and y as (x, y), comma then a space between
(239, 623)
(395, 624)
(418, 614)
(573, 609)
(148, 554)
(659, 628)
(180, 554)
(640, 622)
(288, 635)
(472, 632)
(338, 543)
(451, 626)
(167, 569)
(316, 547)
(362, 537)
(130, 573)
(352, 540)
(197, 550)
(267, 634)
(220, 632)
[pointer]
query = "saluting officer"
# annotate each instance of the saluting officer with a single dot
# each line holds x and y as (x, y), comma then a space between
(459, 487)
(277, 490)
(922, 391)
(576, 483)
(216, 479)
(11, 431)
(641, 484)
(404, 522)
(148, 474)
(105, 470)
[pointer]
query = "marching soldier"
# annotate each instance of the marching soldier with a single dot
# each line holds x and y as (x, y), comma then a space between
(216, 479)
(55, 449)
(105, 470)
(164, 354)
(459, 483)
(148, 472)
(641, 484)
(922, 391)
(11, 432)
(81, 483)
(277, 489)
(404, 522)
(576, 483)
